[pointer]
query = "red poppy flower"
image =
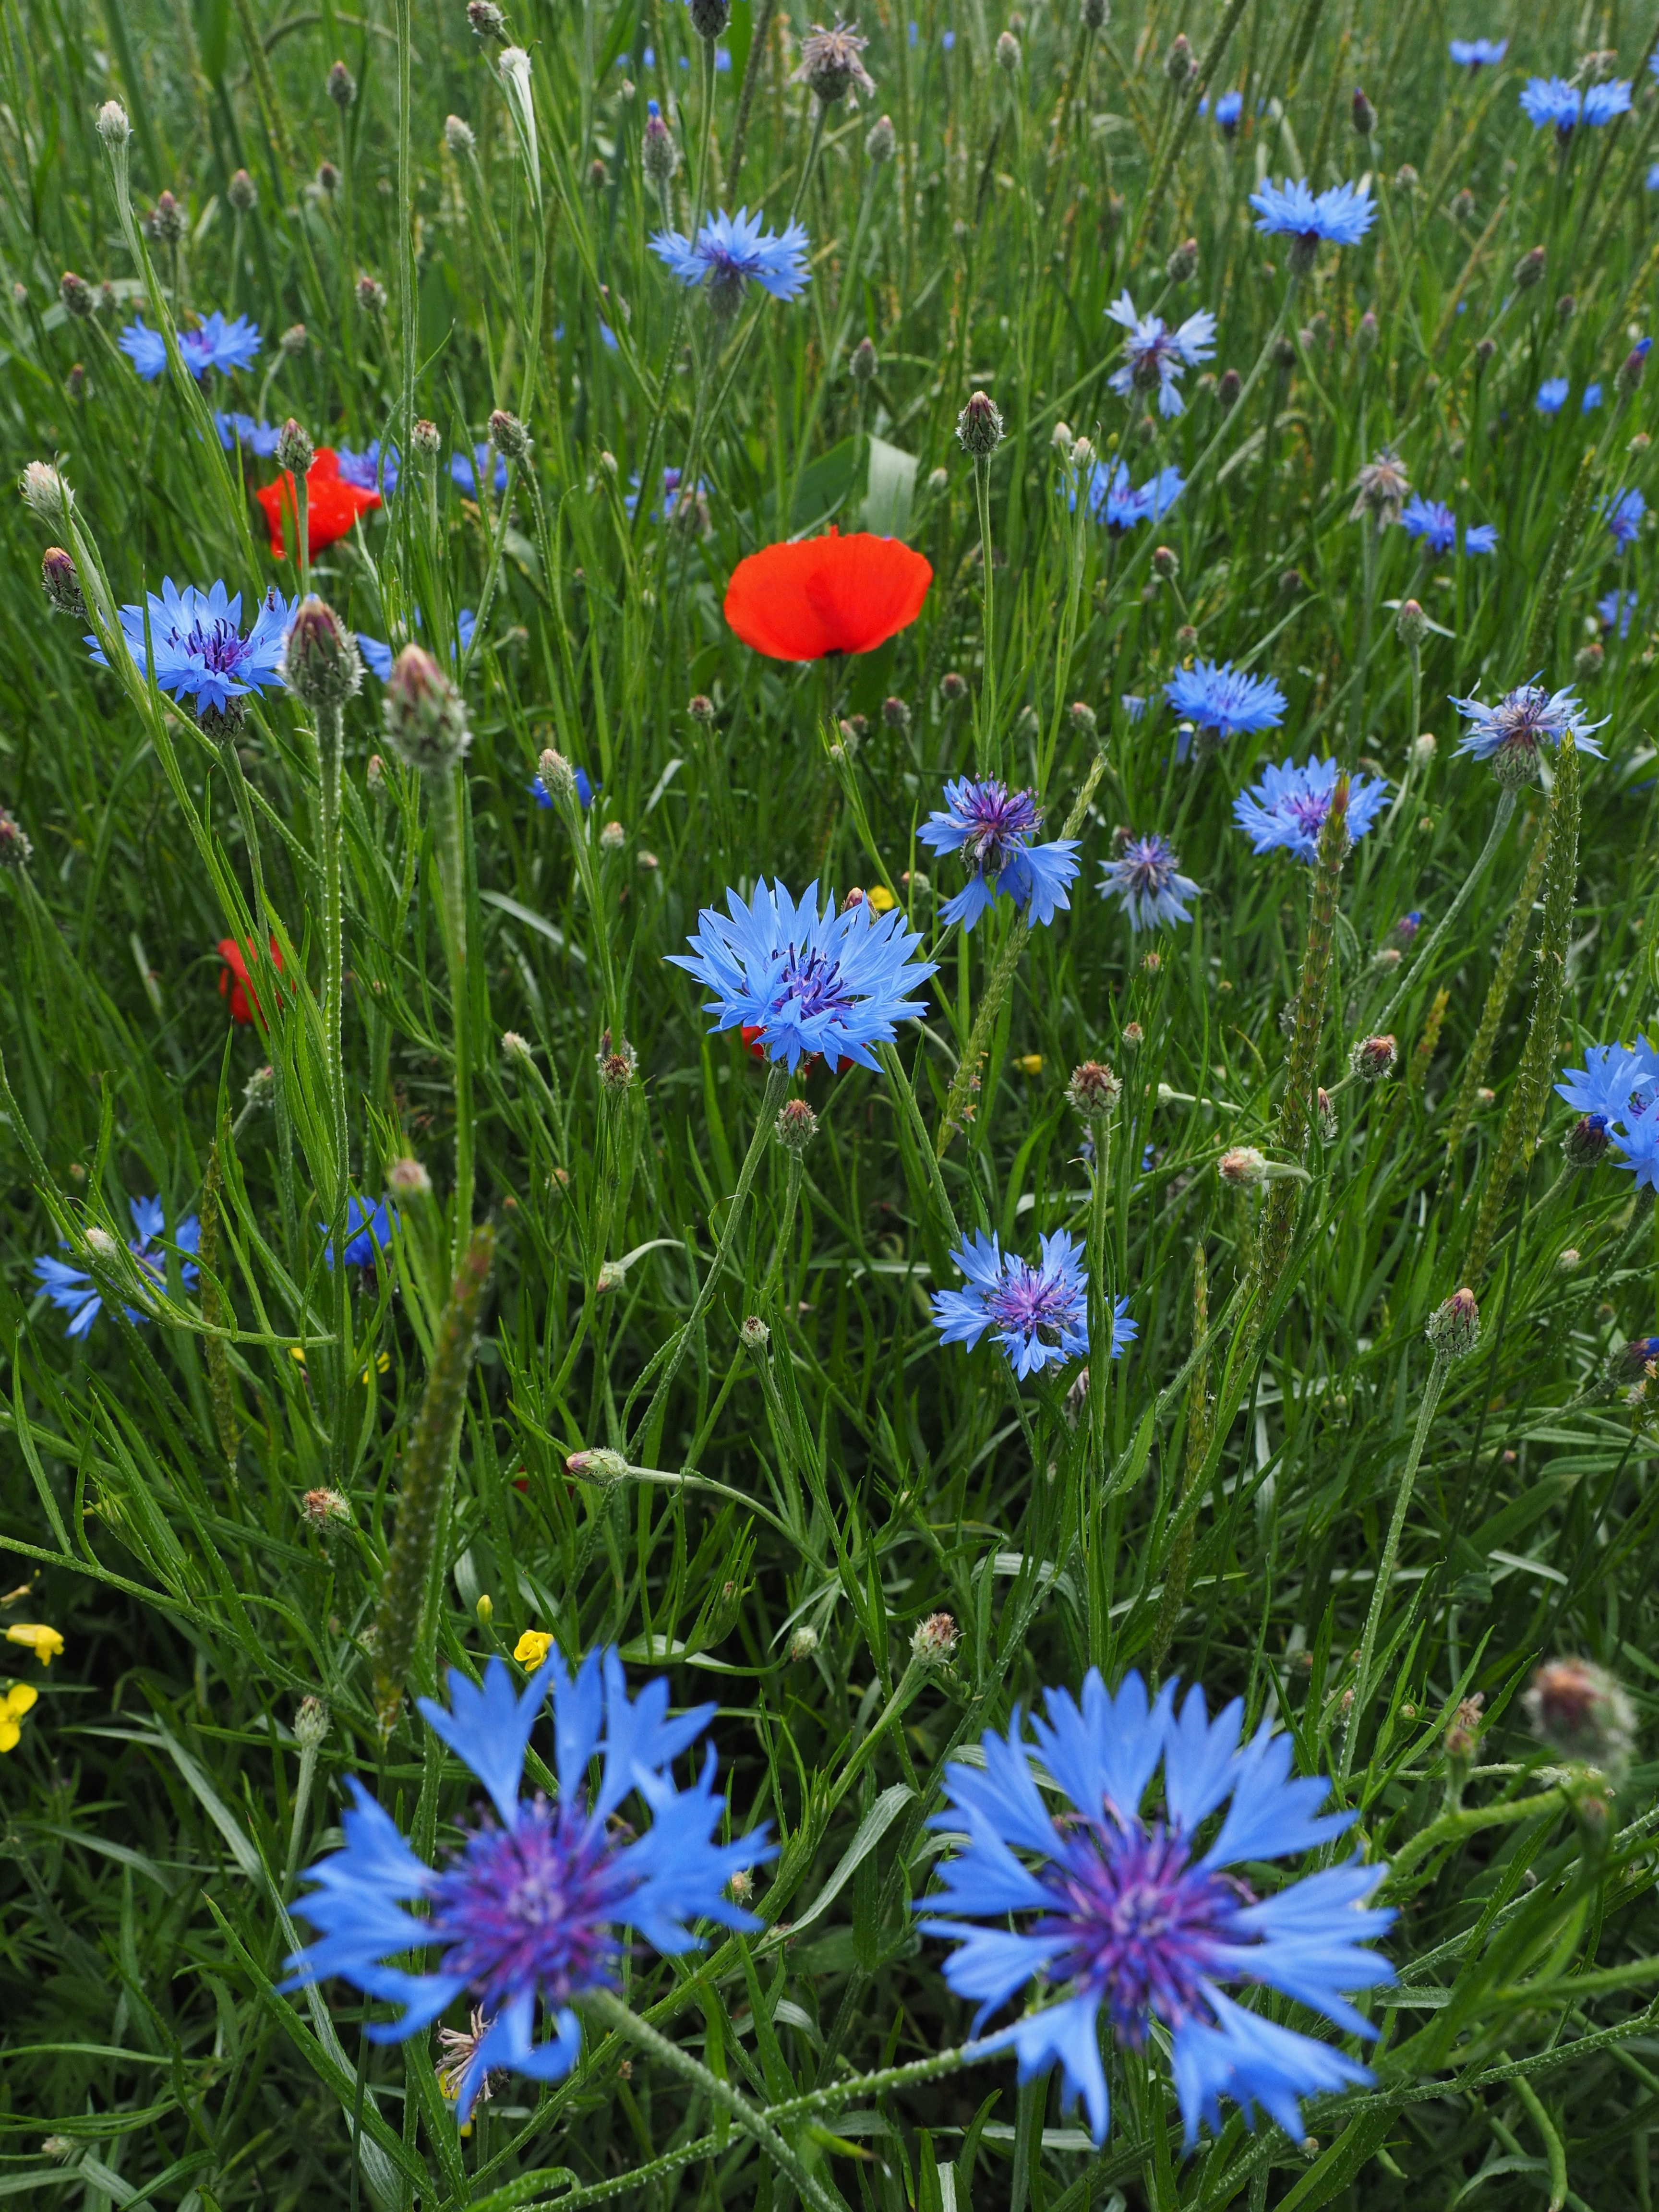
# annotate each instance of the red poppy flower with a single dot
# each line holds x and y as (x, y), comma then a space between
(829, 594)
(751, 1037)
(332, 504)
(234, 978)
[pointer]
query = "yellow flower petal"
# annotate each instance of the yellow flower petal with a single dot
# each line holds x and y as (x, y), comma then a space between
(17, 1701)
(881, 899)
(44, 1643)
(1030, 1063)
(10, 1734)
(532, 1647)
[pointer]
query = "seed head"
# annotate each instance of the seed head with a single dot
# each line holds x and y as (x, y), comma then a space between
(341, 86)
(1373, 1058)
(426, 722)
(1094, 1090)
(325, 1511)
(934, 1640)
(45, 491)
(370, 296)
(830, 61)
(742, 1886)
(803, 1643)
(1365, 115)
(310, 1723)
(1578, 1710)
(1380, 489)
(753, 1334)
(407, 1178)
(61, 582)
(978, 427)
(1529, 269)
(321, 664)
(112, 125)
(294, 450)
(797, 1125)
(1453, 1326)
(1242, 1166)
(882, 141)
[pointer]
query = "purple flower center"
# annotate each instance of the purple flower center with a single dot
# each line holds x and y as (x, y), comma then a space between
(1148, 353)
(214, 643)
(529, 1906)
(1000, 821)
(1033, 1304)
(1142, 1923)
(1147, 865)
(1307, 809)
(813, 986)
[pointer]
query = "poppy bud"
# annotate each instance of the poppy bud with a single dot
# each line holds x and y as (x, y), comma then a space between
(61, 582)
(1411, 625)
(1183, 263)
(341, 86)
(1094, 1090)
(112, 125)
(978, 427)
(321, 664)
(370, 296)
(710, 18)
(1577, 1708)
(862, 366)
(425, 715)
(1529, 269)
(14, 847)
(1373, 1058)
(1008, 53)
(1454, 1327)
(1365, 115)
(882, 142)
(294, 450)
(796, 1126)
(1586, 1141)
(509, 436)
(934, 1640)
(242, 193)
(1178, 63)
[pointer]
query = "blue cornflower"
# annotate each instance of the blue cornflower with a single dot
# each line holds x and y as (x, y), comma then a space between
(1473, 53)
(1228, 110)
(368, 1232)
(689, 506)
(217, 344)
(1614, 612)
(1623, 512)
(1286, 809)
(1653, 177)
(1549, 99)
(1041, 1314)
(1551, 395)
(258, 438)
(807, 982)
(529, 1906)
(1510, 734)
(1620, 1082)
(1431, 521)
(1224, 699)
(375, 469)
(200, 653)
(1134, 1921)
(1638, 1144)
(542, 797)
(1155, 356)
(1134, 706)
(1120, 505)
(1604, 102)
(993, 828)
(1480, 538)
(465, 470)
(1145, 876)
(1591, 400)
(379, 656)
(72, 1290)
(1340, 216)
(730, 249)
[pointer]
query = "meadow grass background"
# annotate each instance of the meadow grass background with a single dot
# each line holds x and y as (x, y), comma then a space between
(1220, 1509)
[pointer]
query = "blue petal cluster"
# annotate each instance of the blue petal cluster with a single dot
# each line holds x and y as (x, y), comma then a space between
(1286, 809)
(1549, 99)
(732, 250)
(369, 1226)
(1121, 505)
(993, 829)
(379, 655)
(1131, 1920)
(1339, 216)
(215, 344)
(1474, 53)
(72, 1290)
(1522, 720)
(1433, 521)
(1623, 513)
(1040, 1315)
(1227, 111)
(1146, 877)
(807, 982)
(1155, 357)
(1620, 1083)
(1614, 611)
(258, 437)
(529, 1907)
(465, 470)
(585, 789)
(200, 652)
(1225, 699)
(375, 468)
(1552, 395)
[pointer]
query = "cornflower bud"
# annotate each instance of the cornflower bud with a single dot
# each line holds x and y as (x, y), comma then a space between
(294, 340)
(242, 193)
(1083, 718)
(407, 1178)
(166, 223)
(1325, 1112)
(15, 850)
(325, 1511)
(1565, 308)
(1453, 1326)
(1166, 563)
(978, 427)
(753, 1334)
(1405, 179)
(1485, 352)
(1529, 269)
(321, 664)
(659, 155)
(341, 86)
(1365, 115)
(458, 136)
(710, 18)
(44, 492)
(1411, 625)
(1178, 63)
(511, 440)
(1590, 660)
(112, 125)
(1365, 336)
(1133, 1036)
(616, 1069)
(375, 774)
(1241, 1166)
(61, 582)
(934, 1640)
(1464, 1731)
(76, 295)
(1567, 1259)
(1228, 387)
(1373, 1058)
(1182, 265)
(311, 1724)
(426, 722)
(1096, 14)
(425, 439)
(796, 1126)
(1587, 1141)
(558, 777)
(701, 708)
(862, 366)
(294, 450)
(952, 686)
(1093, 1089)
(882, 141)
(612, 837)
(370, 294)
(895, 714)
(328, 179)
(515, 1048)
(597, 1466)
(1578, 1710)
(1632, 370)
(1008, 53)
(487, 19)
(597, 175)
(803, 1643)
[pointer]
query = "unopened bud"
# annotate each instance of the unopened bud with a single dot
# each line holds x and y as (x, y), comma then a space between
(701, 707)
(1008, 53)
(710, 18)
(407, 1178)
(796, 1126)
(1228, 387)
(16, 848)
(61, 582)
(425, 439)
(1326, 1111)
(558, 777)
(112, 125)
(321, 664)
(1373, 1058)
(341, 86)
(1096, 14)
(487, 19)
(515, 1048)
(460, 137)
(242, 193)
(1423, 749)
(509, 436)
(952, 686)
(882, 141)
(659, 155)
(1578, 1710)
(894, 714)
(1365, 115)
(76, 295)
(934, 1640)
(294, 340)
(1632, 370)
(599, 1466)
(294, 450)
(753, 1334)
(1182, 265)
(1529, 269)
(1411, 625)
(370, 296)
(862, 366)
(1083, 718)
(325, 1511)
(1094, 1090)
(311, 1724)
(426, 721)
(1453, 1326)
(1133, 1036)
(45, 491)
(803, 1643)
(1241, 1166)
(612, 837)
(1365, 336)
(1166, 563)
(978, 427)
(1178, 63)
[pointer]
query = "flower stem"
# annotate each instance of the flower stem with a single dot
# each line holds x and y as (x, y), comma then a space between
(606, 2006)
(452, 910)
(1435, 1383)
(1500, 823)
(985, 723)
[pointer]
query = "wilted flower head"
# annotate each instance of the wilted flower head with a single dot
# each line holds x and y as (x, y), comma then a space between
(1381, 488)
(1577, 1708)
(1510, 734)
(1155, 357)
(830, 62)
(1145, 877)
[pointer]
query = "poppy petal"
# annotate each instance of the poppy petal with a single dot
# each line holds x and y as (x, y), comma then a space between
(830, 594)
(332, 505)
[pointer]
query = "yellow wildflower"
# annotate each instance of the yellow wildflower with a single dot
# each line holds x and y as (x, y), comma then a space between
(44, 1643)
(12, 1706)
(881, 899)
(531, 1649)
(1030, 1063)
